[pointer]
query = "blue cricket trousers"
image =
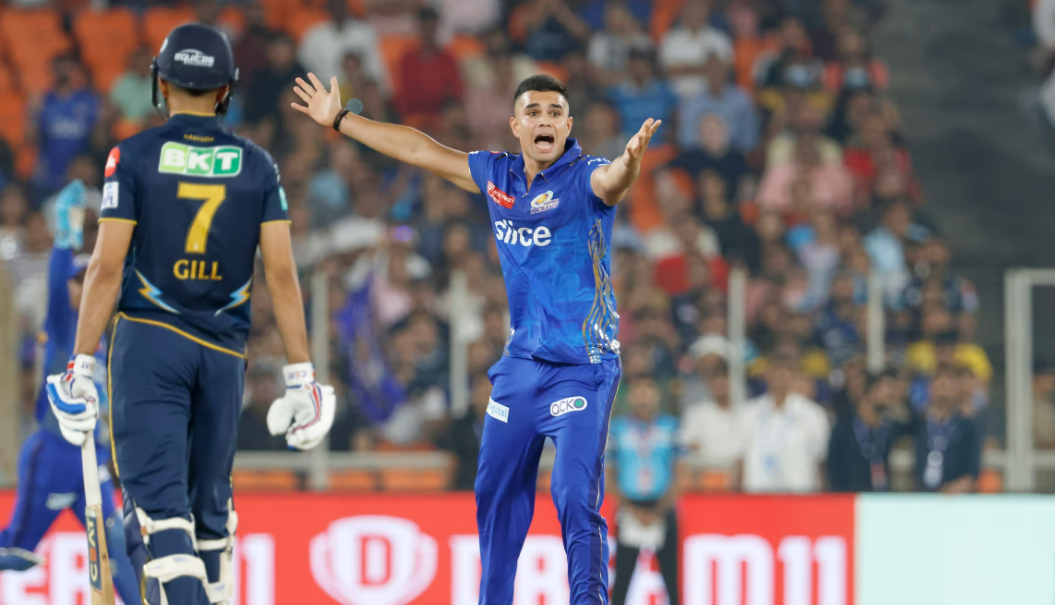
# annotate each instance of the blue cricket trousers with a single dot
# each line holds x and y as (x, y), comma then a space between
(175, 406)
(530, 401)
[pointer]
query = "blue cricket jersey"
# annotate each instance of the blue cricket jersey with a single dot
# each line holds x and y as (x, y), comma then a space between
(60, 331)
(645, 454)
(197, 196)
(554, 242)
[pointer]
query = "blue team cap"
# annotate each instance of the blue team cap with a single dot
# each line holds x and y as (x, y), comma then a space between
(80, 265)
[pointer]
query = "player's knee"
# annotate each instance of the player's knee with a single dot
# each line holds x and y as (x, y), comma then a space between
(572, 498)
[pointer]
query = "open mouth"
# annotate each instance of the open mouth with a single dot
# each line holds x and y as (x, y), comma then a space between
(544, 142)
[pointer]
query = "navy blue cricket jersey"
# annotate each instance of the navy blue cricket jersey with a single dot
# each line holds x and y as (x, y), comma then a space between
(554, 241)
(197, 195)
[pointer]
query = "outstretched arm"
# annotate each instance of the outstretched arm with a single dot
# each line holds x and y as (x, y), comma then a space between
(611, 181)
(400, 142)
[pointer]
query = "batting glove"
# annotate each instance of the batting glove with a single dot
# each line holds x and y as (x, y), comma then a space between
(74, 398)
(306, 412)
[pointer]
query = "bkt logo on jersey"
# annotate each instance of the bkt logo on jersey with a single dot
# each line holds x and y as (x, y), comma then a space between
(508, 233)
(218, 162)
(373, 560)
(194, 58)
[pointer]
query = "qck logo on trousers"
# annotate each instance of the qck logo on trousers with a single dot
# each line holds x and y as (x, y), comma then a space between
(508, 233)
(568, 404)
(373, 560)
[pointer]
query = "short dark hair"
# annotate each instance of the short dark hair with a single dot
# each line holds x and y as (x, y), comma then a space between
(540, 83)
(194, 92)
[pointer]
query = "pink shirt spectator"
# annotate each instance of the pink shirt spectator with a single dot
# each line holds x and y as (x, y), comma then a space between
(831, 187)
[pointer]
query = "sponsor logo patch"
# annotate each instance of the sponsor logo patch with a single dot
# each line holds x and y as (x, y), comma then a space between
(497, 411)
(543, 203)
(215, 162)
(194, 58)
(110, 191)
(500, 197)
(508, 233)
(111, 162)
(566, 405)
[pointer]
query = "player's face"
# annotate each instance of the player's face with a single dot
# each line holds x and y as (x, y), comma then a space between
(542, 124)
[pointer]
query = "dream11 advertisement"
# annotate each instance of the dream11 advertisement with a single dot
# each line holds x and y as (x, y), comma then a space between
(423, 549)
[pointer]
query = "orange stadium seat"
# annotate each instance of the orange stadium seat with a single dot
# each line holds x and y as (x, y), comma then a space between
(298, 24)
(233, 19)
(25, 161)
(991, 481)
(464, 46)
(415, 480)
(104, 76)
(12, 118)
(353, 481)
(32, 39)
(664, 14)
(7, 79)
(393, 47)
(264, 481)
(106, 39)
(160, 20)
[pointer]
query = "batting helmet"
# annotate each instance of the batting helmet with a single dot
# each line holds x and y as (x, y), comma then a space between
(196, 57)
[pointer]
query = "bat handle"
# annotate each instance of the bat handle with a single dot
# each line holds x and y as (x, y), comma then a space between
(90, 468)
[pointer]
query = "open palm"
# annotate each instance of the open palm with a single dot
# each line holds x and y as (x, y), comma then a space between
(321, 105)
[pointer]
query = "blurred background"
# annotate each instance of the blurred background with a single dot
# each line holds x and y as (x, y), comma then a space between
(835, 213)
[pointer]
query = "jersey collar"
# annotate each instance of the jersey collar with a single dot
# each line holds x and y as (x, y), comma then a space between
(572, 152)
(193, 119)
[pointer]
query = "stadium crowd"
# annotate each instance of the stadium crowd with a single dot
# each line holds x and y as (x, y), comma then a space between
(780, 153)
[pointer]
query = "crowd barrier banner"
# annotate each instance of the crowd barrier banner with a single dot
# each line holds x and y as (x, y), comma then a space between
(301, 549)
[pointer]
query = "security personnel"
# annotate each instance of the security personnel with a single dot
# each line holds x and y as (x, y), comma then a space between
(185, 208)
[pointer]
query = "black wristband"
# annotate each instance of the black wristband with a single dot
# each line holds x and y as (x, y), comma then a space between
(337, 120)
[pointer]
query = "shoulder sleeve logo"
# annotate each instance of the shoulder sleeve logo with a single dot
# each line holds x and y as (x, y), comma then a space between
(111, 161)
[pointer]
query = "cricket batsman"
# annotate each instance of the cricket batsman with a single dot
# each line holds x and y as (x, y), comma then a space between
(49, 468)
(185, 208)
(552, 208)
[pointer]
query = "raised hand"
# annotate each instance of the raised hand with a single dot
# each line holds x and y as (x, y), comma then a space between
(635, 147)
(321, 105)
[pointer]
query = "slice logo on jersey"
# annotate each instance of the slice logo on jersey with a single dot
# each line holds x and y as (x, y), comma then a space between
(194, 58)
(110, 191)
(497, 411)
(543, 203)
(500, 197)
(508, 233)
(214, 162)
(112, 161)
(566, 405)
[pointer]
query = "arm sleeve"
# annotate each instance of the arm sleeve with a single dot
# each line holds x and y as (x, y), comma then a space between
(56, 324)
(589, 164)
(480, 163)
(119, 191)
(275, 206)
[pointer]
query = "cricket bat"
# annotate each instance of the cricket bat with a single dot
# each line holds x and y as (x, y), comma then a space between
(98, 559)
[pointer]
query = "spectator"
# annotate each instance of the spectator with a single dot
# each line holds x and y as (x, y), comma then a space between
(948, 444)
(478, 69)
(270, 82)
(737, 243)
(941, 344)
(549, 29)
(771, 68)
(643, 474)
(584, 87)
(837, 327)
(600, 134)
(856, 65)
(250, 51)
(886, 249)
(685, 48)
(713, 153)
(829, 185)
(801, 119)
(641, 96)
(1043, 405)
(817, 247)
(872, 150)
(609, 50)
(462, 437)
(466, 17)
(324, 46)
(786, 434)
(329, 192)
(14, 207)
(859, 450)
(262, 387)
(722, 98)
(712, 428)
(63, 124)
(428, 75)
(130, 94)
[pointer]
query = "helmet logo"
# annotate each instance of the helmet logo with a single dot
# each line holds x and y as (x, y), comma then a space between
(194, 58)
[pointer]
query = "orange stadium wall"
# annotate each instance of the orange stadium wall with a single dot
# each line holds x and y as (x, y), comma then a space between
(396, 550)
